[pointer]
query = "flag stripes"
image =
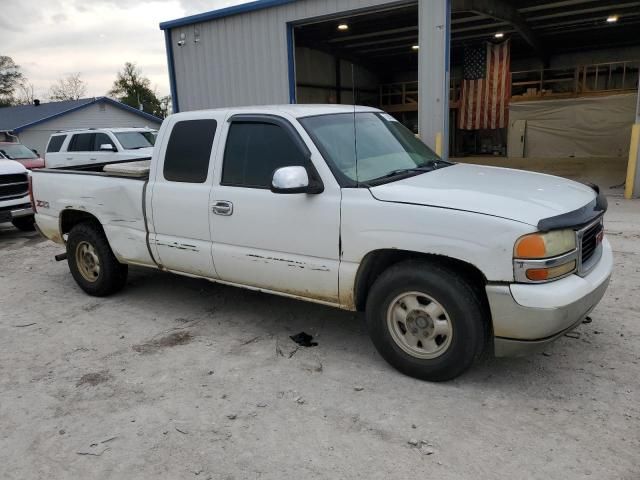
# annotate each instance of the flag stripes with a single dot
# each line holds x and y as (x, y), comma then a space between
(485, 96)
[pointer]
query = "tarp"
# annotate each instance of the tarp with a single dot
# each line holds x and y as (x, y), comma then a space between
(577, 127)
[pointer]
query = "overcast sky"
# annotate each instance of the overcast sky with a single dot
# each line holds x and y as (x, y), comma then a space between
(52, 38)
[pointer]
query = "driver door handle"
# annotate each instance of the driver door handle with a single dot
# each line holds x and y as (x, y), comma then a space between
(222, 207)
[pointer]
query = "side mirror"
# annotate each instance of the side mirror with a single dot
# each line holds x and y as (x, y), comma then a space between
(107, 147)
(35, 151)
(291, 180)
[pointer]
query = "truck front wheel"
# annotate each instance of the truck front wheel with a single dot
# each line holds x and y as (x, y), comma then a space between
(425, 320)
(92, 262)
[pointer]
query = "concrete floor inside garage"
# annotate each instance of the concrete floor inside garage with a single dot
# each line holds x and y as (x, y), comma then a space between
(181, 378)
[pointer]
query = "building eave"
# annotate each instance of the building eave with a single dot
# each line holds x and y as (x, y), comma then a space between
(222, 12)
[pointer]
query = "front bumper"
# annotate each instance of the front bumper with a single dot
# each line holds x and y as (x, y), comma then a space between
(15, 211)
(526, 317)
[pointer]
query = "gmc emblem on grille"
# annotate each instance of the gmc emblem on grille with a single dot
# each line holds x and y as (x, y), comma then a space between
(42, 204)
(599, 237)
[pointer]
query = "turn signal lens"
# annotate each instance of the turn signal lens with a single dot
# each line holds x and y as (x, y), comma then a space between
(544, 245)
(542, 274)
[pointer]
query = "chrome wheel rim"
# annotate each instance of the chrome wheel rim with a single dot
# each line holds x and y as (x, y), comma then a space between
(419, 325)
(87, 261)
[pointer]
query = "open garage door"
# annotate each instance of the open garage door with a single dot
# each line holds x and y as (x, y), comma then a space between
(366, 57)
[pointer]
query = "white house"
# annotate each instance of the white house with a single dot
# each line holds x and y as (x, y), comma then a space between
(33, 124)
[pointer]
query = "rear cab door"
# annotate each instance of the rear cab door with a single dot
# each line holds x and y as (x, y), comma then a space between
(179, 190)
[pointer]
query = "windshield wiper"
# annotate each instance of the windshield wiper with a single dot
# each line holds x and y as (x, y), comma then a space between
(400, 171)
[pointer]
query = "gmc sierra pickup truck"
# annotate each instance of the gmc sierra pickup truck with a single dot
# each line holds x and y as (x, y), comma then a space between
(343, 206)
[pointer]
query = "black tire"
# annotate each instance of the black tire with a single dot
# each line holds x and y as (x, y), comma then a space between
(464, 310)
(26, 224)
(112, 274)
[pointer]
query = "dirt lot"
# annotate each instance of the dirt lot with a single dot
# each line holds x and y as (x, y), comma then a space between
(180, 378)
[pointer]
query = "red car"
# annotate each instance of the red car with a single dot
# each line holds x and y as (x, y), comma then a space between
(22, 154)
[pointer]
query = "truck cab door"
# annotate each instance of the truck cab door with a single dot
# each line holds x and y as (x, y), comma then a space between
(286, 243)
(180, 195)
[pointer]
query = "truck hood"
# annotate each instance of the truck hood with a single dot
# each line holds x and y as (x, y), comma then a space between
(502, 192)
(10, 167)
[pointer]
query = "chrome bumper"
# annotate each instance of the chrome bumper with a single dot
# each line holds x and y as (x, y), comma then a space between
(528, 317)
(8, 214)
(23, 212)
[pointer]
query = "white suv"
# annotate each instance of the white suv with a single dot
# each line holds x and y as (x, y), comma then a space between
(95, 146)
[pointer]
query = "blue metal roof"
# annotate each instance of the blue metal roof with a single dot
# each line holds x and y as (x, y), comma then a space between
(18, 118)
(223, 12)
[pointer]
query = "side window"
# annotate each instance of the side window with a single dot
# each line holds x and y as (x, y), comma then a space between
(254, 151)
(81, 142)
(55, 143)
(101, 139)
(188, 151)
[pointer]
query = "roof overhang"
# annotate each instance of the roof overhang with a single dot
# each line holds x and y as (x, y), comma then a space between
(223, 12)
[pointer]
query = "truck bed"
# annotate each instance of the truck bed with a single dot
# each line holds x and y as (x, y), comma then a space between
(115, 198)
(133, 168)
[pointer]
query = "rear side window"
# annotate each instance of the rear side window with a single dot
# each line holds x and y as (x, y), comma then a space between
(81, 142)
(188, 151)
(254, 151)
(55, 144)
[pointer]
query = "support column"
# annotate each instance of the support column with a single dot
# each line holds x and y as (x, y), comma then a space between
(632, 186)
(434, 22)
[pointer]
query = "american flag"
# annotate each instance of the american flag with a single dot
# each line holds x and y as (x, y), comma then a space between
(486, 87)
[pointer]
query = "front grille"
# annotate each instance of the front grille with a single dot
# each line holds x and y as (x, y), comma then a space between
(590, 241)
(14, 186)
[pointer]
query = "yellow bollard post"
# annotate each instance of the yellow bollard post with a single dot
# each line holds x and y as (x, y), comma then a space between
(439, 144)
(634, 152)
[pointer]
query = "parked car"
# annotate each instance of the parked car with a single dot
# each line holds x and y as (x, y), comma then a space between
(20, 153)
(98, 146)
(15, 204)
(447, 260)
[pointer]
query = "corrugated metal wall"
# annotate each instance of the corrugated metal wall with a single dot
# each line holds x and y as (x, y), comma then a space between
(242, 59)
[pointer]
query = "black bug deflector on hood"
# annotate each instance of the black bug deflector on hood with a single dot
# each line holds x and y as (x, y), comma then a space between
(578, 217)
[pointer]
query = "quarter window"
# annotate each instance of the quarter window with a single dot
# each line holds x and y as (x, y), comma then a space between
(254, 151)
(189, 150)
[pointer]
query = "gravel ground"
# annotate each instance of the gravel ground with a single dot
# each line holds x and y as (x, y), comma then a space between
(181, 378)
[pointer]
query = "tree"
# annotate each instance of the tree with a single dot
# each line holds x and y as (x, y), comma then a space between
(133, 89)
(10, 79)
(26, 93)
(71, 87)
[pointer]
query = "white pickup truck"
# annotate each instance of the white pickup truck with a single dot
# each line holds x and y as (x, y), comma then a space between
(344, 207)
(15, 204)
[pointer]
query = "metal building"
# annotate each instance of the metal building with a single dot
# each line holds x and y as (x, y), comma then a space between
(395, 55)
(246, 54)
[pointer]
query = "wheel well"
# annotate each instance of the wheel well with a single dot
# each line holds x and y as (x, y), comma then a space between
(70, 218)
(378, 261)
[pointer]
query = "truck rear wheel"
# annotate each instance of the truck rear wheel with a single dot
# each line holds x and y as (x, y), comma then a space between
(26, 224)
(92, 262)
(425, 320)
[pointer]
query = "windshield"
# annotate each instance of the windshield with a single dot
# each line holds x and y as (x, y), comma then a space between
(16, 151)
(136, 140)
(385, 148)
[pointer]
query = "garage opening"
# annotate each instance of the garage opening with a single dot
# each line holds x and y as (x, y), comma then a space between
(368, 57)
(568, 92)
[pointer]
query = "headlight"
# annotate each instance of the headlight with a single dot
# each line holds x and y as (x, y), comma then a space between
(541, 257)
(545, 245)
